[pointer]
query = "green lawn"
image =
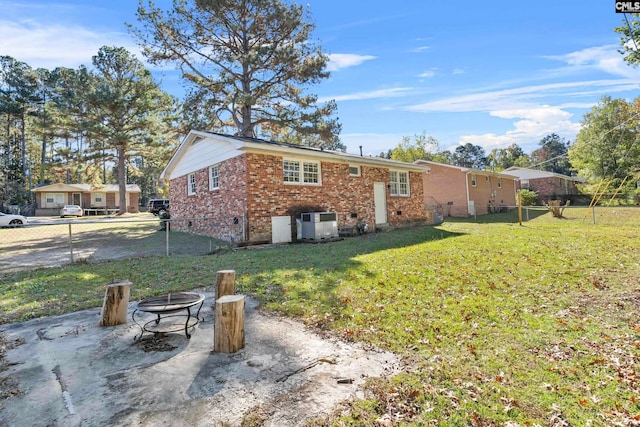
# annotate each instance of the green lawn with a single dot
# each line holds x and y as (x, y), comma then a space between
(498, 324)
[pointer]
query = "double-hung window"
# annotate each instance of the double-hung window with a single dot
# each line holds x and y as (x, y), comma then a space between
(99, 199)
(214, 177)
(191, 184)
(399, 183)
(311, 173)
(301, 172)
(474, 180)
(54, 199)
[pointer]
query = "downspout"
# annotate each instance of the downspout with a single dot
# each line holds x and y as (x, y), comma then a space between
(466, 184)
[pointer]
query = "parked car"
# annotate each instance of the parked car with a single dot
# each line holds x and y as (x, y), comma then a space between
(10, 220)
(71, 210)
(157, 206)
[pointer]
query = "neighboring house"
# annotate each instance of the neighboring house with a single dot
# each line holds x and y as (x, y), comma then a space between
(548, 185)
(255, 184)
(465, 191)
(92, 198)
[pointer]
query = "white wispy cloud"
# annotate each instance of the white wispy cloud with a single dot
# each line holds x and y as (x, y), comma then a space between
(338, 61)
(530, 125)
(599, 58)
(520, 97)
(428, 74)
(420, 49)
(527, 105)
(50, 46)
(525, 133)
(605, 59)
(533, 125)
(544, 113)
(378, 93)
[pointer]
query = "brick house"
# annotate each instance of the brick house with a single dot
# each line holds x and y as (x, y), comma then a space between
(92, 198)
(465, 191)
(251, 183)
(548, 185)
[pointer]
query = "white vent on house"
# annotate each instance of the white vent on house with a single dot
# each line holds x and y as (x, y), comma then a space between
(319, 225)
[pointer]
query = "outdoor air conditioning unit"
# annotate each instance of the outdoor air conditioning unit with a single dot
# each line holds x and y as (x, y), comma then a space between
(319, 225)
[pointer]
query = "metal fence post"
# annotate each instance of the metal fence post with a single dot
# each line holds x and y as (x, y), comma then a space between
(166, 228)
(70, 244)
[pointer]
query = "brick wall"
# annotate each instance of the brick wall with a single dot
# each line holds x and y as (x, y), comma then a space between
(552, 188)
(448, 187)
(351, 197)
(252, 187)
(218, 213)
(488, 197)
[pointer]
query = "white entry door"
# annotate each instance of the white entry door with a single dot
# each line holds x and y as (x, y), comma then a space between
(472, 208)
(380, 202)
(280, 229)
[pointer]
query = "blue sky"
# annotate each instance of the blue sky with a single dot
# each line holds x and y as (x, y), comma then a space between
(491, 73)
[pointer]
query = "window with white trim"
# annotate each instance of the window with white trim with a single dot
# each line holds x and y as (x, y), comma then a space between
(311, 173)
(53, 200)
(354, 170)
(191, 184)
(474, 179)
(291, 170)
(398, 183)
(214, 177)
(301, 172)
(98, 199)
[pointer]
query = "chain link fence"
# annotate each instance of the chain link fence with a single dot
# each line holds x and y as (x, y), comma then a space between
(602, 215)
(605, 215)
(55, 242)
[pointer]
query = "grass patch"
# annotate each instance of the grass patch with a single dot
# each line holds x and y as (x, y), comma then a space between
(497, 323)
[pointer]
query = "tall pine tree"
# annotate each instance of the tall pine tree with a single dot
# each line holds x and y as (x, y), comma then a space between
(130, 113)
(248, 63)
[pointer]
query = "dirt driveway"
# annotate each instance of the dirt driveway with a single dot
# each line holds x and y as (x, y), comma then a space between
(53, 242)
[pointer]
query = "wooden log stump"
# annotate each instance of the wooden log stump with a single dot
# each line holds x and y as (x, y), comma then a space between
(556, 209)
(228, 328)
(115, 303)
(225, 283)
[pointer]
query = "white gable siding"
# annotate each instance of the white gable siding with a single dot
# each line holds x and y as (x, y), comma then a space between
(202, 154)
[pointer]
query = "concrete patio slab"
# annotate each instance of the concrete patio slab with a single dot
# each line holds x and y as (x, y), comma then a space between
(72, 372)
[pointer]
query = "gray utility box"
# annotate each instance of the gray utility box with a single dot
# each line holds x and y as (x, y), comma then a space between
(319, 225)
